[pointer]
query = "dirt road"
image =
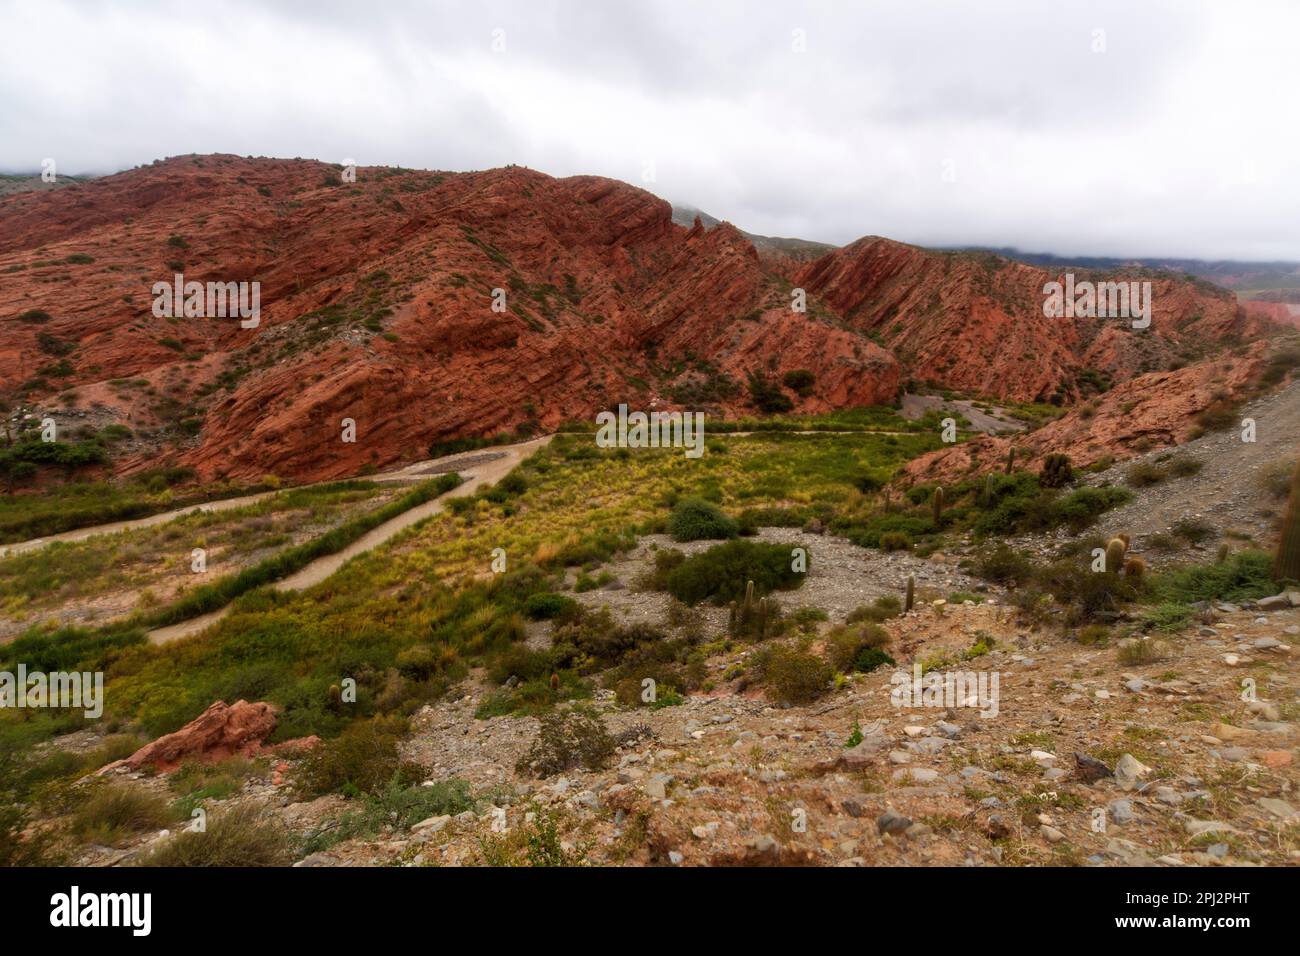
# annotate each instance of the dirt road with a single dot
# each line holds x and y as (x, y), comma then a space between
(477, 468)
(80, 534)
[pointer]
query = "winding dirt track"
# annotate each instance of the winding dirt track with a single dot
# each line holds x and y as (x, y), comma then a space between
(477, 468)
(80, 534)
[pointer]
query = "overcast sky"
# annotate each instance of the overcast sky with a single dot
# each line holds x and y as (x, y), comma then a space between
(939, 123)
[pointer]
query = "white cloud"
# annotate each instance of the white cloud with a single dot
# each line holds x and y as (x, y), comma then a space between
(1177, 140)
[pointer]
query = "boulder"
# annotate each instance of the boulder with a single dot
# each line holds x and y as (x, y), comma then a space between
(223, 730)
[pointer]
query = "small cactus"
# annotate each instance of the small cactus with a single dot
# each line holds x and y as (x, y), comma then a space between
(887, 503)
(1115, 549)
(1135, 568)
(1222, 555)
(938, 506)
(1286, 565)
(1011, 459)
(987, 498)
(1124, 536)
(910, 597)
(1056, 471)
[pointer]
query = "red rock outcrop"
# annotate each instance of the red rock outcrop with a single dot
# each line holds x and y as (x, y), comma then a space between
(1151, 411)
(221, 731)
(377, 306)
(974, 321)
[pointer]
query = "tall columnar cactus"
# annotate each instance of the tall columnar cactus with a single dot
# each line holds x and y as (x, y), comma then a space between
(1115, 549)
(888, 494)
(938, 506)
(987, 499)
(1056, 471)
(910, 597)
(1286, 566)
(1011, 459)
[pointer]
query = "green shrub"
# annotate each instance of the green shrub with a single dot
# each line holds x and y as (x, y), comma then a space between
(360, 760)
(881, 609)
(397, 806)
(1184, 466)
(845, 645)
(869, 658)
(895, 541)
(567, 739)
(547, 606)
(695, 519)
(245, 835)
(1091, 595)
(767, 396)
(1004, 564)
(1242, 576)
(116, 810)
(1192, 530)
(1143, 474)
(799, 380)
(793, 677)
(721, 572)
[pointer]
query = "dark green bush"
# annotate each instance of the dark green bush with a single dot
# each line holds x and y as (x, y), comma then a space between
(799, 380)
(546, 606)
(721, 572)
(767, 396)
(845, 645)
(695, 519)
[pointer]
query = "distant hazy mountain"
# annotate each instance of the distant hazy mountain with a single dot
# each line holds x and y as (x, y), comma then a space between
(801, 249)
(11, 183)
(1278, 281)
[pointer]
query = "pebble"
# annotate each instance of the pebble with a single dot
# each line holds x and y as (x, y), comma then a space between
(1121, 811)
(891, 822)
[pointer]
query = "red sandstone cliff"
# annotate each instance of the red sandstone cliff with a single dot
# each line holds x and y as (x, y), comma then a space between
(377, 296)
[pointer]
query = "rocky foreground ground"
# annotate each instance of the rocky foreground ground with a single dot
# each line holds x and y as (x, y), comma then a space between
(1088, 761)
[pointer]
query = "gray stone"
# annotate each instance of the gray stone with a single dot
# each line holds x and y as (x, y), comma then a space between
(891, 822)
(657, 786)
(1168, 795)
(431, 825)
(917, 774)
(1274, 603)
(1128, 771)
(854, 808)
(1197, 827)
(864, 754)
(1279, 808)
(1121, 811)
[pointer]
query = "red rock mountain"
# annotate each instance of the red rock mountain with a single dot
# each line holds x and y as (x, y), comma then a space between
(975, 323)
(377, 306)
